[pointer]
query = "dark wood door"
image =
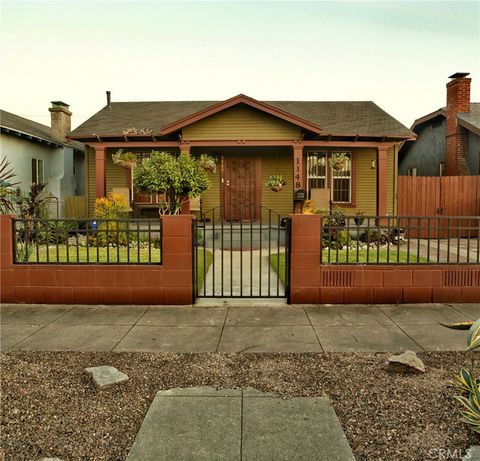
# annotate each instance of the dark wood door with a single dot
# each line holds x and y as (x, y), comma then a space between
(241, 188)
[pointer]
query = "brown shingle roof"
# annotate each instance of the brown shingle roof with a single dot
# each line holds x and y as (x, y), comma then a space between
(35, 129)
(24, 125)
(362, 118)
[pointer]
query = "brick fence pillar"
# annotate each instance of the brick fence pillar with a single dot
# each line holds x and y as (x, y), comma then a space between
(305, 259)
(6, 242)
(177, 259)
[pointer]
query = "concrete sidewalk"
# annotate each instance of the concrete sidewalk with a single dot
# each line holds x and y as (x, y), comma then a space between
(202, 423)
(312, 328)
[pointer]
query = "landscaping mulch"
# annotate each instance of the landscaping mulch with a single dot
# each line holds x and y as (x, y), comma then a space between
(50, 407)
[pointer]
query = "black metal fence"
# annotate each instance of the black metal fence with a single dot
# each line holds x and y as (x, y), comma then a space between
(94, 241)
(400, 240)
(246, 257)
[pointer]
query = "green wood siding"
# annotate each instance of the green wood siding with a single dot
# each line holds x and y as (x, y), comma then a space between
(116, 175)
(241, 123)
(91, 180)
(211, 197)
(280, 202)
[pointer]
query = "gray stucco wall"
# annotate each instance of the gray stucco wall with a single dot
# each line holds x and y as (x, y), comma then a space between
(426, 152)
(473, 157)
(58, 166)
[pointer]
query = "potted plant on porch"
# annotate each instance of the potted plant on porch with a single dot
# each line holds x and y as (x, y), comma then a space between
(338, 160)
(275, 182)
(207, 163)
(359, 218)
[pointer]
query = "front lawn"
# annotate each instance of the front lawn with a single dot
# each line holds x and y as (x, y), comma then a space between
(93, 255)
(204, 260)
(340, 257)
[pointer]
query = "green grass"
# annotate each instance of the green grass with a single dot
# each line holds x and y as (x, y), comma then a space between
(93, 255)
(382, 257)
(280, 265)
(374, 256)
(204, 260)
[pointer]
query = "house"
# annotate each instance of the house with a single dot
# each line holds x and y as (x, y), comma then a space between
(448, 140)
(251, 141)
(42, 154)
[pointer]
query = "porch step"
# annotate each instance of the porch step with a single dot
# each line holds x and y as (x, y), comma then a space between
(241, 302)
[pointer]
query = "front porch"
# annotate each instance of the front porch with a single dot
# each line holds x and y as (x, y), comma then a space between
(367, 184)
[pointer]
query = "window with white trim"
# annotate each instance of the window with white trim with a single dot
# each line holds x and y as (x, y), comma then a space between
(320, 175)
(316, 171)
(37, 171)
(342, 182)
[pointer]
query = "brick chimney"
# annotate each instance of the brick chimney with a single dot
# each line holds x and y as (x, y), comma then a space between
(458, 100)
(61, 120)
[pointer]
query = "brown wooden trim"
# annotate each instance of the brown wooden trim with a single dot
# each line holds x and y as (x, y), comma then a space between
(100, 176)
(239, 99)
(382, 170)
(240, 142)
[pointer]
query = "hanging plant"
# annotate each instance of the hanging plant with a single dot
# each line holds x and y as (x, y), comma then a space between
(208, 163)
(275, 182)
(125, 159)
(338, 160)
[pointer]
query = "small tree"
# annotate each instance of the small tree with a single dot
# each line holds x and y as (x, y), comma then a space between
(178, 178)
(7, 188)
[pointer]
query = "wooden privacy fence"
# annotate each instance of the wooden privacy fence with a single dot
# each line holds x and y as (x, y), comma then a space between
(76, 206)
(440, 196)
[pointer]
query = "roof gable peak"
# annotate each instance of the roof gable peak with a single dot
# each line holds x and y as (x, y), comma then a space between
(233, 101)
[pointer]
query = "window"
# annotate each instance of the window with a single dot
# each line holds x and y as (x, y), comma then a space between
(412, 171)
(320, 175)
(37, 171)
(342, 182)
(316, 171)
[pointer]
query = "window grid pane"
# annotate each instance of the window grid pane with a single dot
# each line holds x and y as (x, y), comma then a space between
(316, 171)
(342, 181)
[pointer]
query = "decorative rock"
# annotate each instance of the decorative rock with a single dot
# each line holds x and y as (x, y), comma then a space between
(473, 454)
(50, 459)
(106, 375)
(408, 362)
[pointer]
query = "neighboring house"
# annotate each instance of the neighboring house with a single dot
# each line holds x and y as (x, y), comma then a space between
(252, 140)
(448, 140)
(42, 154)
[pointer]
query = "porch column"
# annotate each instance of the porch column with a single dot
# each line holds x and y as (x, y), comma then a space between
(382, 180)
(100, 171)
(298, 183)
(185, 149)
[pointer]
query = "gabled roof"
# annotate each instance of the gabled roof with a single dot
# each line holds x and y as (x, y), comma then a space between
(25, 126)
(33, 131)
(240, 99)
(341, 118)
(469, 120)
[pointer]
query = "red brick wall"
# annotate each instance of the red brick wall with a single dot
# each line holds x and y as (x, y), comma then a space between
(168, 283)
(313, 283)
(458, 100)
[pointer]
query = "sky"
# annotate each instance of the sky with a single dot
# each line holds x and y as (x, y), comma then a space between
(397, 54)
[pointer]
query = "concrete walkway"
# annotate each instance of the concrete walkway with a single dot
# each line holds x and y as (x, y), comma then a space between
(312, 328)
(203, 424)
(243, 273)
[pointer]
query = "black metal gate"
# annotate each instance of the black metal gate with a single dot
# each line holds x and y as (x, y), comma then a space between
(241, 259)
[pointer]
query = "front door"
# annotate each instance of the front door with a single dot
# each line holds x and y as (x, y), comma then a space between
(241, 187)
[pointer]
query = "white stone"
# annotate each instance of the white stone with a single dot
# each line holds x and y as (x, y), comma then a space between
(106, 375)
(408, 362)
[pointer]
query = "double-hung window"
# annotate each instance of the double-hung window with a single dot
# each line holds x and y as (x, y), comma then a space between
(37, 171)
(321, 175)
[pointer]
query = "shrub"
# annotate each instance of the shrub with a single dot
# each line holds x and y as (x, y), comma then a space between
(465, 382)
(114, 206)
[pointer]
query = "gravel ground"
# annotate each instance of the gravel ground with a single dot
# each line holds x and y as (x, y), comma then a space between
(51, 408)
